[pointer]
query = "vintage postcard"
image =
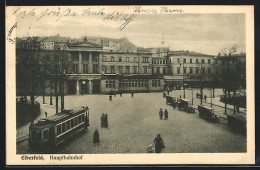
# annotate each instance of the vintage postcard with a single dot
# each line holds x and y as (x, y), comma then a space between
(110, 85)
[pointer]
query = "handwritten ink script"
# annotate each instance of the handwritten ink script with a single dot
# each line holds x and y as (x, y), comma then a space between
(116, 16)
(163, 10)
(10, 33)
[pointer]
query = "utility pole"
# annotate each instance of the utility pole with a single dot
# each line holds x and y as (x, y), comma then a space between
(201, 91)
(183, 78)
(192, 96)
(211, 98)
(225, 99)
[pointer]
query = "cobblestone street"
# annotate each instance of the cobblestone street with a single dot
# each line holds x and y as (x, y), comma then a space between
(133, 123)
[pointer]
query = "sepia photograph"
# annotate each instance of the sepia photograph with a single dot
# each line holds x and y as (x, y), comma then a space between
(130, 85)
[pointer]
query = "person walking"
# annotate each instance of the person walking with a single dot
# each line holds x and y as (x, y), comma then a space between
(159, 144)
(161, 113)
(46, 114)
(106, 121)
(96, 138)
(174, 103)
(205, 97)
(166, 114)
(103, 120)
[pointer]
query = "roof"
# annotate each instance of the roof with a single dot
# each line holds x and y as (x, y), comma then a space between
(62, 115)
(186, 100)
(84, 45)
(187, 53)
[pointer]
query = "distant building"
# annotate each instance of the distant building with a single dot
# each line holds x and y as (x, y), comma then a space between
(105, 65)
(231, 69)
(190, 68)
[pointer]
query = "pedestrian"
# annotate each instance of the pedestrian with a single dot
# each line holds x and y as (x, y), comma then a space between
(164, 93)
(132, 94)
(103, 120)
(197, 95)
(159, 144)
(110, 97)
(150, 149)
(160, 113)
(237, 108)
(46, 114)
(174, 103)
(96, 138)
(166, 114)
(106, 121)
(205, 97)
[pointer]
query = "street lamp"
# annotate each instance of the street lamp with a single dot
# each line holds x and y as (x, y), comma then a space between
(211, 97)
(192, 96)
(184, 89)
(183, 77)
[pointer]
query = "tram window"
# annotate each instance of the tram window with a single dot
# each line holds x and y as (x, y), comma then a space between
(76, 121)
(63, 127)
(79, 119)
(36, 135)
(68, 124)
(82, 117)
(72, 123)
(46, 134)
(58, 129)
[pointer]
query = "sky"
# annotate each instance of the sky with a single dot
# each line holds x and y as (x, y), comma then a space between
(207, 33)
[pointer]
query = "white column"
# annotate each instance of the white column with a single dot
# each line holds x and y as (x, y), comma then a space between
(90, 86)
(77, 88)
(90, 68)
(80, 63)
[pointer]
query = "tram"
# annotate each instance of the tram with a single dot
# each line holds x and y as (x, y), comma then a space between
(51, 131)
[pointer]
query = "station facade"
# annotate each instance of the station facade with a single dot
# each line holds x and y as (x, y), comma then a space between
(95, 69)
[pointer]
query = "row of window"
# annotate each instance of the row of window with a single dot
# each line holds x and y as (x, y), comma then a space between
(132, 83)
(65, 126)
(120, 69)
(156, 83)
(113, 59)
(197, 70)
(191, 61)
(110, 84)
(160, 61)
(157, 70)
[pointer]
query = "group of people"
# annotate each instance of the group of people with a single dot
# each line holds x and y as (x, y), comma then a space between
(165, 114)
(104, 121)
(199, 96)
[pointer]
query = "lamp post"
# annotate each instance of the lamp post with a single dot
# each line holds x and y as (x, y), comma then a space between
(192, 96)
(211, 98)
(183, 77)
